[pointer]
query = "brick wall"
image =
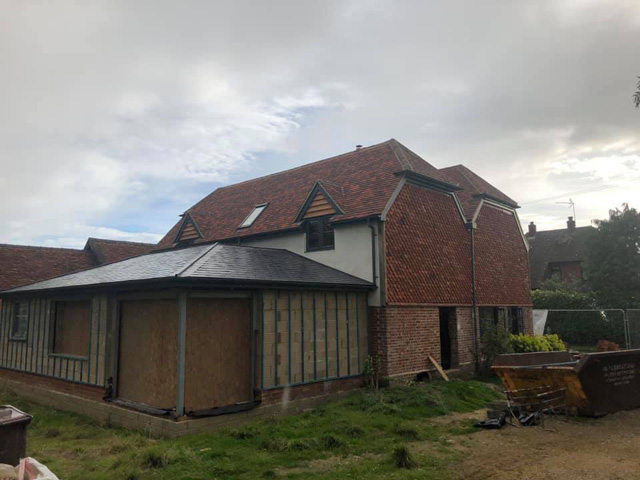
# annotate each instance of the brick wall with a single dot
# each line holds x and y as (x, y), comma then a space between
(77, 389)
(465, 344)
(403, 336)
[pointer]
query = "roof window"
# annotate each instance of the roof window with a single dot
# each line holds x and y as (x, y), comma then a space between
(257, 210)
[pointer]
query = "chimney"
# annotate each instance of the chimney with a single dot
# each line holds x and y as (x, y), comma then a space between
(358, 147)
(532, 230)
(571, 224)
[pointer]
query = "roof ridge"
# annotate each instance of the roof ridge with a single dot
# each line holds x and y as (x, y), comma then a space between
(128, 242)
(183, 270)
(396, 148)
(39, 247)
(299, 167)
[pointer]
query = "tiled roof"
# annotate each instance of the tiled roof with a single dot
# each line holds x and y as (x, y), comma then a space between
(213, 263)
(360, 182)
(474, 188)
(108, 251)
(22, 264)
(556, 246)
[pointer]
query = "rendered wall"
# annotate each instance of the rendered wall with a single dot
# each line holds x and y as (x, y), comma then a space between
(352, 253)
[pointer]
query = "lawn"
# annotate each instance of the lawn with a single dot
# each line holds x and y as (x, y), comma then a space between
(364, 435)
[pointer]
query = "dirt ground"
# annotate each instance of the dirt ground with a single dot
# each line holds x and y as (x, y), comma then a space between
(582, 448)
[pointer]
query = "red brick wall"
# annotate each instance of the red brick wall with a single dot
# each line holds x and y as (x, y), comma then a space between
(427, 250)
(76, 389)
(502, 262)
(403, 336)
(316, 389)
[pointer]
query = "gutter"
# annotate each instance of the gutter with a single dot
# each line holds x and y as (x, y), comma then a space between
(373, 251)
(474, 294)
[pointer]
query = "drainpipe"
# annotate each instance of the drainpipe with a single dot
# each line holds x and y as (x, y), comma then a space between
(474, 295)
(373, 251)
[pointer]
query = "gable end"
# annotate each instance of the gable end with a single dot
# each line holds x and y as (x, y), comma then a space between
(189, 230)
(318, 204)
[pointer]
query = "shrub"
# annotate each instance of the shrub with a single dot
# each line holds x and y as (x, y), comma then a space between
(402, 458)
(522, 343)
(495, 341)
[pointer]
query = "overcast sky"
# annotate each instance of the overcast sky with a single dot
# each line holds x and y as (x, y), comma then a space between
(115, 117)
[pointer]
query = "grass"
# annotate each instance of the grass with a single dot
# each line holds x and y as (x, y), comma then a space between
(368, 434)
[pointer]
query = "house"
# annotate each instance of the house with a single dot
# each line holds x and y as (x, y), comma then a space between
(558, 254)
(22, 264)
(274, 291)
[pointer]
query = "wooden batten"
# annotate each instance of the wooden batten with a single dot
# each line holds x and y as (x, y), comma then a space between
(319, 207)
(189, 230)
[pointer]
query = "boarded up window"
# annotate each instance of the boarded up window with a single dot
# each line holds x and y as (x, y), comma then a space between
(71, 329)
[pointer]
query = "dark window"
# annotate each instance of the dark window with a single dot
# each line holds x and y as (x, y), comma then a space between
(71, 329)
(488, 318)
(320, 235)
(20, 321)
(517, 320)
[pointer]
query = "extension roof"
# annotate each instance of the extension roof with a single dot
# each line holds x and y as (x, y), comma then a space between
(23, 264)
(360, 183)
(217, 263)
(556, 246)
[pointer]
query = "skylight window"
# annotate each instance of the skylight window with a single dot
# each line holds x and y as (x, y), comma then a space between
(257, 210)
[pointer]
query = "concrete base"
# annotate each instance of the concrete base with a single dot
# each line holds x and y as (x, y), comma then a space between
(109, 414)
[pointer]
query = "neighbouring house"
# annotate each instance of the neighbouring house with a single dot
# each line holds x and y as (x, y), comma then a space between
(276, 290)
(23, 264)
(558, 254)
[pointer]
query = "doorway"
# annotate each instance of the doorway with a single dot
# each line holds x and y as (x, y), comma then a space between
(447, 322)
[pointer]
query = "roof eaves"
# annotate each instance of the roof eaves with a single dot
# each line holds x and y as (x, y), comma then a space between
(426, 181)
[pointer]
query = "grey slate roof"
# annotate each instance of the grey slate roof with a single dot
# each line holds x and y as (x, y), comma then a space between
(218, 262)
(555, 246)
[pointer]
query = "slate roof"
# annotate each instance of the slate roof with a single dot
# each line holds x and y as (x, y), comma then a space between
(360, 182)
(227, 264)
(556, 246)
(24, 264)
(474, 189)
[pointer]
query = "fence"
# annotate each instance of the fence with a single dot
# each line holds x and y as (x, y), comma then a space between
(582, 329)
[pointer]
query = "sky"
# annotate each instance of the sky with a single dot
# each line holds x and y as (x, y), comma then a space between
(117, 116)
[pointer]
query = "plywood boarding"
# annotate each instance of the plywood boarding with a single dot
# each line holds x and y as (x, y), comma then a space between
(316, 337)
(71, 332)
(319, 207)
(218, 353)
(148, 352)
(35, 354)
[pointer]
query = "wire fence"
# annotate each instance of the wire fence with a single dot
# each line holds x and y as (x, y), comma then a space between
(581, 330)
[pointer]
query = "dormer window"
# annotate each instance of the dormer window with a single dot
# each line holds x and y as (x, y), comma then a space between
(320, 234)
(253, 216)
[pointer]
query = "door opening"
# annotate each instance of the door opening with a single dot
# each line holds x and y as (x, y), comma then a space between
(447, 321)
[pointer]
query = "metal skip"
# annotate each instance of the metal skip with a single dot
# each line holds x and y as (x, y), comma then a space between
(596, 384)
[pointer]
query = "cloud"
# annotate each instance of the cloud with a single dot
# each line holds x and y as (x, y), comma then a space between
(119, 115)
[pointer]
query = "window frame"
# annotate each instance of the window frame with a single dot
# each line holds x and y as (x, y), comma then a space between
(262, 206)
(324, 222)
(14, 316)
(53, 328)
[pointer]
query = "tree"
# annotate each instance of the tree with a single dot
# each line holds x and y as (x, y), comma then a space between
(613, 259)
(636, 96)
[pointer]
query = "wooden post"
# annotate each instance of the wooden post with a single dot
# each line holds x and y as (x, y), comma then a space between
(182, 340)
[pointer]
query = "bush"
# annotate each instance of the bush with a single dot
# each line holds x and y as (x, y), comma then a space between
(495, 341)
(402, 458)
(522, 343)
